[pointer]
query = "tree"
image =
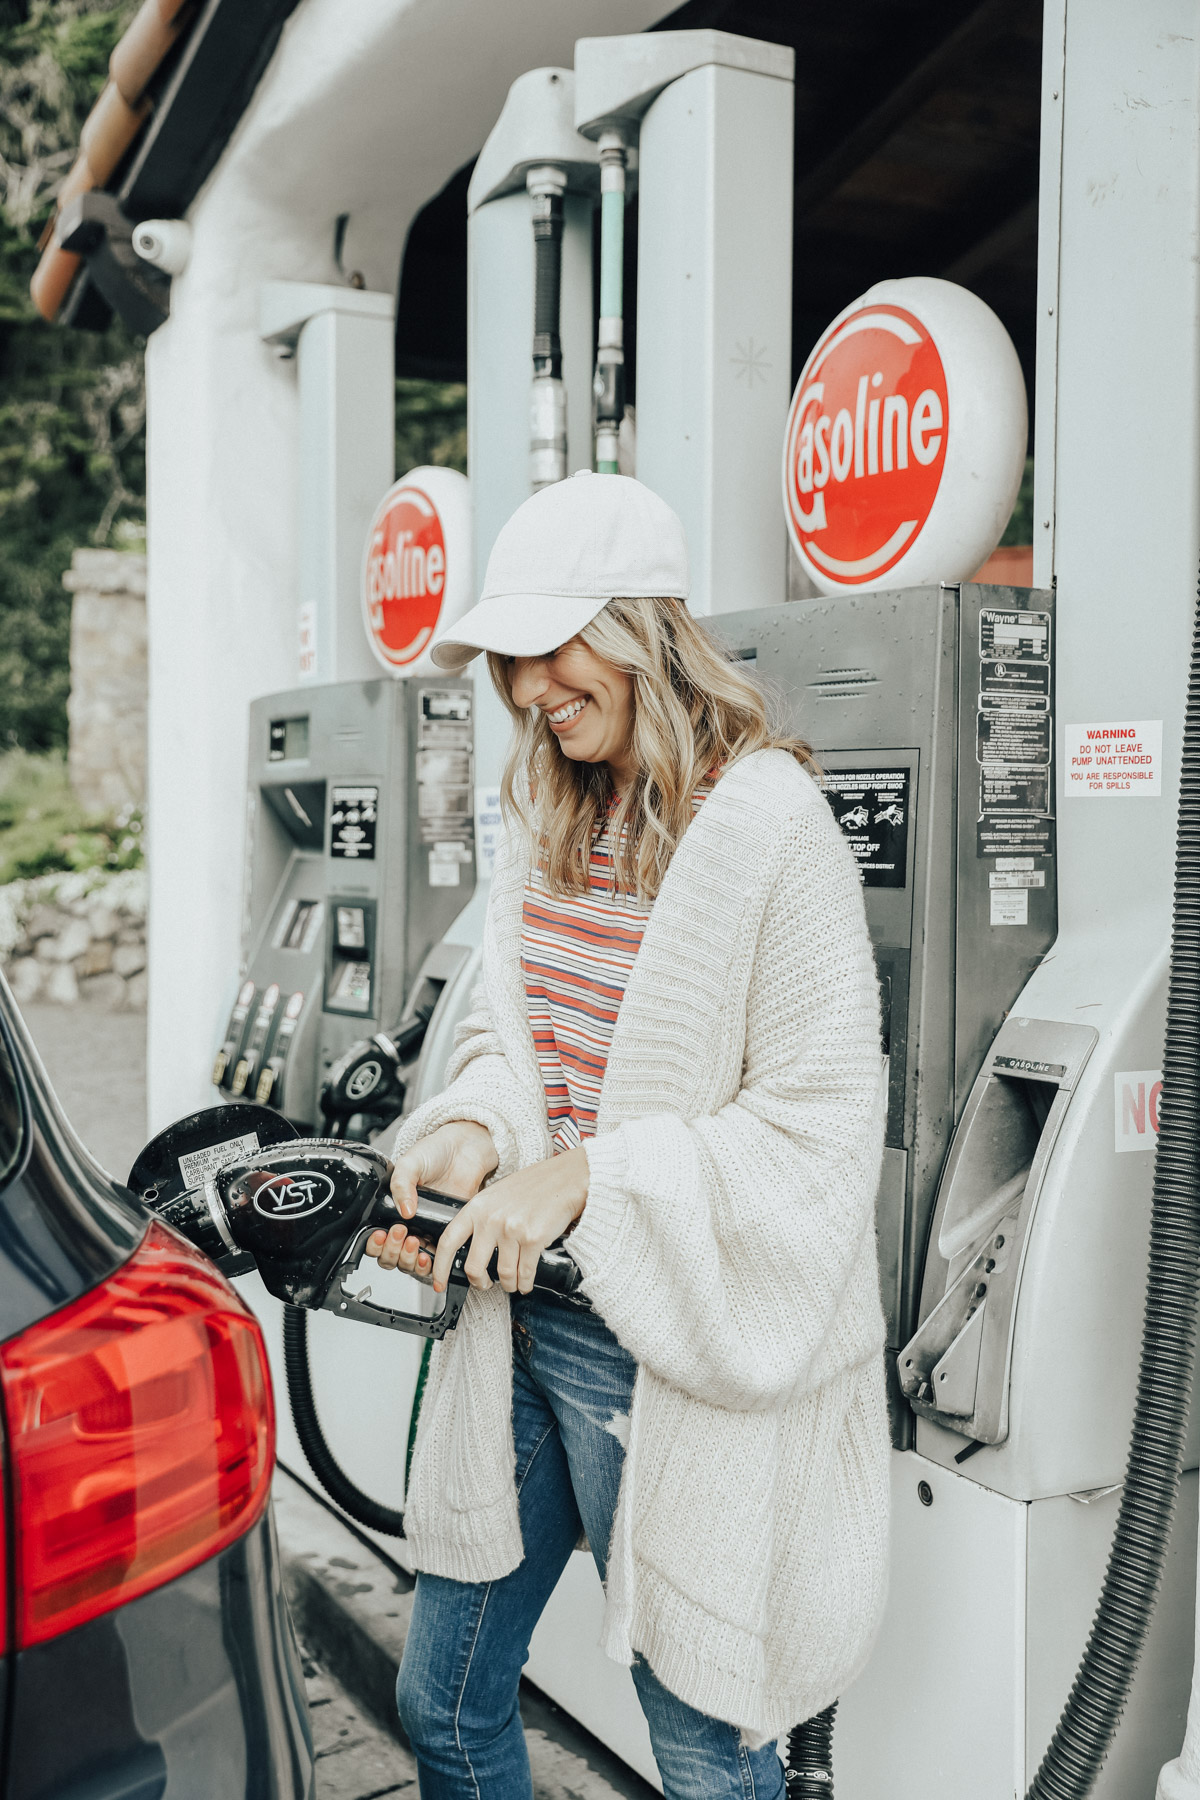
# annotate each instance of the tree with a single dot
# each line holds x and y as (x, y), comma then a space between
(72, 403)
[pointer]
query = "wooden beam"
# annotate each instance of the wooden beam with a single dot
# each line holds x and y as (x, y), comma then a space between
(924, 79)
(995, 245)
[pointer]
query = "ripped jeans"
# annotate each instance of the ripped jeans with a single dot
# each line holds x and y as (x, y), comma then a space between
(468, 1641)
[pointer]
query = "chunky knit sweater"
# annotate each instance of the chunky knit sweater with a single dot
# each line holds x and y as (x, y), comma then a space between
(728, 1241)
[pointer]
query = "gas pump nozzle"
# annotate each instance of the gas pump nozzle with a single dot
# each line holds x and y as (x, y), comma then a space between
(301, 1213)
(366, 1080)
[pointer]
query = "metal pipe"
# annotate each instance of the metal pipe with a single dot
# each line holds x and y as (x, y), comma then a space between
(609, 384)
(548, 402)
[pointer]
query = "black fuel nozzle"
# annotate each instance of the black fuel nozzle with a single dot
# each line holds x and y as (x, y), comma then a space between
(301, 1213)
(367, 1081)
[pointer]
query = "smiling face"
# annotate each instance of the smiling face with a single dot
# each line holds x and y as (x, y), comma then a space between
(586, 702)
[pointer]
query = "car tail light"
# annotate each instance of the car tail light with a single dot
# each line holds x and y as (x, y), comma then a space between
(141, 1436)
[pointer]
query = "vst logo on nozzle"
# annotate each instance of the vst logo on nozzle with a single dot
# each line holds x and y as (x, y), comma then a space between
(905, 441)
(295, 1196)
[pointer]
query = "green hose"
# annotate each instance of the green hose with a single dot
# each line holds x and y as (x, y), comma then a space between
(415, 1414)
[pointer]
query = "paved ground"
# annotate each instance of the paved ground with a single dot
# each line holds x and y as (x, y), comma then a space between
(356, 1759)
(97, 1063)
(353, 1605)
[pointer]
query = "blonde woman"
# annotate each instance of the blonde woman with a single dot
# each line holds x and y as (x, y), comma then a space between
(674, 1060)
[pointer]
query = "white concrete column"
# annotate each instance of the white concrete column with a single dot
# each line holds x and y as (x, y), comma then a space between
(343, 342)
(1119, 419)
(1117, 526)
(714, 323)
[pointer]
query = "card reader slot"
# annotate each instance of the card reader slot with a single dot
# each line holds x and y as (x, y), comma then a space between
(955, 1368)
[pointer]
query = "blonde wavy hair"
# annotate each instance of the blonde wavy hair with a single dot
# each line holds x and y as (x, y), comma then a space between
(695, 712)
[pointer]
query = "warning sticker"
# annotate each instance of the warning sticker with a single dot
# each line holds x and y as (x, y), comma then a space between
(1014, 684)
(1013, 737)
(445, 807)
(871, 806)
(1136, 1094)
(1004, 789)
(1001, 836)
(1009, 907)
(197, 1165)
(1017, 878)
(1117, 761)
(1014, 636)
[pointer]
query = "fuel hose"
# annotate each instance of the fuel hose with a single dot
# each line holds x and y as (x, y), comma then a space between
(324, 1465)
(1135, 1564)
(808, 1774)
(609, 384)
(548, 400)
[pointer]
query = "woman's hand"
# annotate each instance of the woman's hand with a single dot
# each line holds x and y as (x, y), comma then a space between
(456, 1159)
(517, 1219)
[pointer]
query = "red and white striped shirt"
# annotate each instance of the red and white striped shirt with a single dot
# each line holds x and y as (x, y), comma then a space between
(576, 954)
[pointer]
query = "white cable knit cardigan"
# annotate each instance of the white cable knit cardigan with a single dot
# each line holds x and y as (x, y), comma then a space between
(728, 1241)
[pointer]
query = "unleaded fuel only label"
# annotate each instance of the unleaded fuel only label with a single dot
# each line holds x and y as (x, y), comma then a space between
(872, 808)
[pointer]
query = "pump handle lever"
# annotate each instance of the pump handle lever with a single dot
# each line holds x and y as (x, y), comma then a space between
(557, 1271)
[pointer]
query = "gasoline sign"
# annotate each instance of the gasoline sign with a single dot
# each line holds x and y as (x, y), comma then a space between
(417, 568)
(905, 440)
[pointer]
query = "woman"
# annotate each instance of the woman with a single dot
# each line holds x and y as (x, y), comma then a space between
(673, 1059)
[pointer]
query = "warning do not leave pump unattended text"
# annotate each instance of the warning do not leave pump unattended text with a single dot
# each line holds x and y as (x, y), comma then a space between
(1113, 760)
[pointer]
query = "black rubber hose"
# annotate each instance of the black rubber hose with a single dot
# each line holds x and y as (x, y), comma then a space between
(1139, 1546)
(809, 1771)
(328, 1471)
(547, 284)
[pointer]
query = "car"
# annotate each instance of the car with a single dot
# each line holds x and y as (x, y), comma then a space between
(147, 1647)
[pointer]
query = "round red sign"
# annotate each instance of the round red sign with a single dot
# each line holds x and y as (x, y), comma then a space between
(866, 445)
(405, 575)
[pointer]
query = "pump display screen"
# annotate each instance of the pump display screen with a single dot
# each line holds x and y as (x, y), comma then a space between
(289, 740)
(872, 808)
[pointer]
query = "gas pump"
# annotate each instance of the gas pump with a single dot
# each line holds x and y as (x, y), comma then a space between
(360, 854)
(899, 692)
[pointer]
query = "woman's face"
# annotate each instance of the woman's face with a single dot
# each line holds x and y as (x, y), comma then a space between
(587, 703)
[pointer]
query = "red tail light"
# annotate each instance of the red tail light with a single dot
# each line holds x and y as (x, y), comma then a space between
(141, 1435)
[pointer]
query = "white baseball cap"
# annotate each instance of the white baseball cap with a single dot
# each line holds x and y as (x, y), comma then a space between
(564, 554)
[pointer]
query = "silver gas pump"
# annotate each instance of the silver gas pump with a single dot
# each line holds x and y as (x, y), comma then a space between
(360, 854)
(930, 710)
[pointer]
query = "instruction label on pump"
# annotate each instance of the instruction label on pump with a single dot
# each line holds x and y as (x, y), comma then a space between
(1106, 761)
(1135, 1108)
(872, 807)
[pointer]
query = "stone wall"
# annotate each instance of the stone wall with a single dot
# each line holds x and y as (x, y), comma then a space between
(106, 711)
(71, 938)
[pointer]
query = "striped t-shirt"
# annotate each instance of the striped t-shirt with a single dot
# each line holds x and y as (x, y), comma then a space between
(576, 954)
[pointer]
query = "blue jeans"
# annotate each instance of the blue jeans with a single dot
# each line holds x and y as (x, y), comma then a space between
(468, 1641)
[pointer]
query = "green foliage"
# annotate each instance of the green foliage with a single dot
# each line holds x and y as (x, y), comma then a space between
(72, 403)
(1019, 529)
(431, 425)
(43, 828)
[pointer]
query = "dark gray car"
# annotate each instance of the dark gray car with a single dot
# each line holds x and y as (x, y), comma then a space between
(146, 1642)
